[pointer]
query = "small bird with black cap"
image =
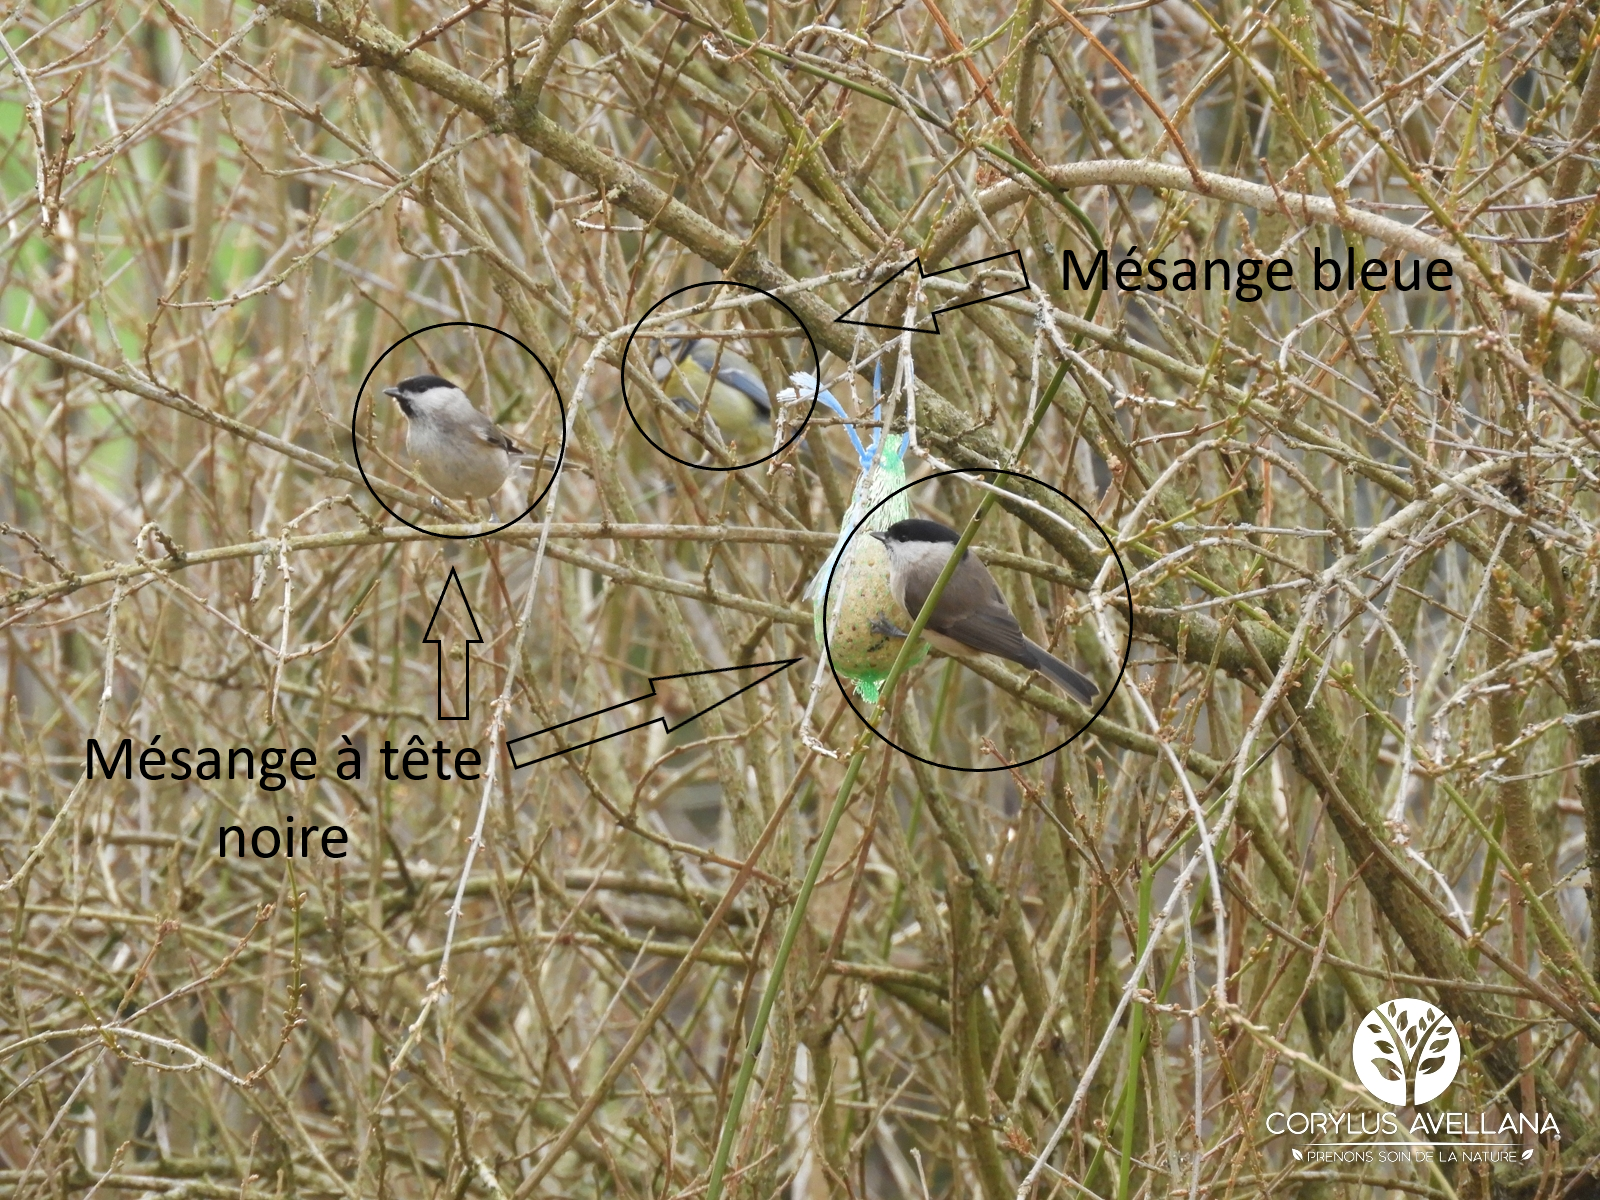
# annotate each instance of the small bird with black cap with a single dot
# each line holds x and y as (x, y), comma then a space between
(971, 615)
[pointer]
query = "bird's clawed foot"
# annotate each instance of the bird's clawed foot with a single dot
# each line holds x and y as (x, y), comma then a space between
(883, 627)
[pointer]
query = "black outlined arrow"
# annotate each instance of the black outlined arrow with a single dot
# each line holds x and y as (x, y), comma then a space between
(543, 743)
(844, 318)
(466, 649)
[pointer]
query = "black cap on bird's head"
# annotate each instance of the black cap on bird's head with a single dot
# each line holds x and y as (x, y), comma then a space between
(917, 529)
(418, 384)
(408, 389)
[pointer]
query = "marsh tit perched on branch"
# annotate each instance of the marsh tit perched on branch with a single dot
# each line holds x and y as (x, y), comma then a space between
(461, 453)
(971, 615)
(736, 403)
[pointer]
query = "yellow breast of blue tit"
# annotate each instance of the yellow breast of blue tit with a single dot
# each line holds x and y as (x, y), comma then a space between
(736, 401)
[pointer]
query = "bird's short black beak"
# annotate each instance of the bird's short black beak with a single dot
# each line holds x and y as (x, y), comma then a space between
(395, 392)
(878, 535)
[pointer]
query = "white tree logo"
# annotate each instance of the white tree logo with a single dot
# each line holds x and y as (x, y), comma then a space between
(1406, 1052)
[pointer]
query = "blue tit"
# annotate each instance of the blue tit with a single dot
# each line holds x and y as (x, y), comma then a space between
(738, 404)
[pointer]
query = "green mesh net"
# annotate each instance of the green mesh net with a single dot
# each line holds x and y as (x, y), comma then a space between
(843, 615)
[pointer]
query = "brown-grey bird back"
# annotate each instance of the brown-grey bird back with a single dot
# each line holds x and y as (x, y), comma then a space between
(987, 626)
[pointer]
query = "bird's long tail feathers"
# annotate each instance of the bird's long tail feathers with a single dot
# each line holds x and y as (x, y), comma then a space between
(1079, 684)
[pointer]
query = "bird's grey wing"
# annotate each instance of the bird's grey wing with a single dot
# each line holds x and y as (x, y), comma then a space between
(990, 629)
(736, 374)
(917, 593)
(985, 624)
(491, 433)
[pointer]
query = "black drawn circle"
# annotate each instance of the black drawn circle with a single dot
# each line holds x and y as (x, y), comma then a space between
(827, 640)
(816, 373)
(355, 436)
